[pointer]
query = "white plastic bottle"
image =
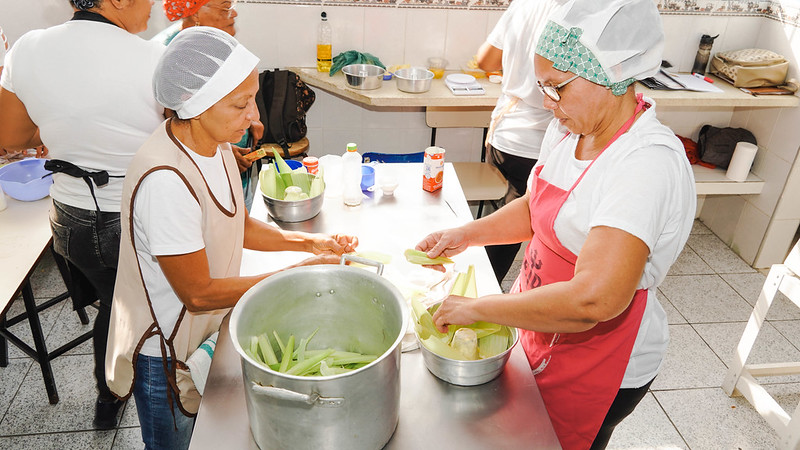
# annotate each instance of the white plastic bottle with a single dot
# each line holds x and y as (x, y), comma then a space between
(351, 176)
(324, 50)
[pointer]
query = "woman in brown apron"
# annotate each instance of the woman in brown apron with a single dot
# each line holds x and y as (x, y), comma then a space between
(608, 209)
(184, 227)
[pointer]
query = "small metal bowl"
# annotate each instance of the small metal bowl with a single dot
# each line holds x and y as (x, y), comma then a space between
(466, 373)
(414, 79)
(363, 76)
(294, 211)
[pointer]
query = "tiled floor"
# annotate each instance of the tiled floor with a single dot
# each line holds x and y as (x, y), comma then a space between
(708, 297)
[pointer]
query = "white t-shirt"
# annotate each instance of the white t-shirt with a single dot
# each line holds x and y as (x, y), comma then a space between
(521, 130)
(642, 184)
(3, 46)
(167, 220)
(88, 86)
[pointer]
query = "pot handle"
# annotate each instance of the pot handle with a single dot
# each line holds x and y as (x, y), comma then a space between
(292, 396)
(367, 262)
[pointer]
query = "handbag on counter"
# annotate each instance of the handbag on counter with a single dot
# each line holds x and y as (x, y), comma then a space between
(750, 67)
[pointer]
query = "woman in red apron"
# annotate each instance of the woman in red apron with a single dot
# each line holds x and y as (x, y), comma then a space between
(608, 209)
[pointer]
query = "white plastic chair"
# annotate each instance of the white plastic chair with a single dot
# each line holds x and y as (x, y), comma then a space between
(741, 377)
(480, 181)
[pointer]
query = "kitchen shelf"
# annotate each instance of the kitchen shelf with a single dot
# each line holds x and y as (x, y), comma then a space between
(714, 182)
(729, 97)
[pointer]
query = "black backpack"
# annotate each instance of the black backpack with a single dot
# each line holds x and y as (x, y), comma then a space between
(716, 145)
(283, 101)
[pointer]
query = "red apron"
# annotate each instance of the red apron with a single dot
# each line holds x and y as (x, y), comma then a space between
(578, 374)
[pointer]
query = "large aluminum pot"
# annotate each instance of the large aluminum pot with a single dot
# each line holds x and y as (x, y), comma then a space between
(353, 309)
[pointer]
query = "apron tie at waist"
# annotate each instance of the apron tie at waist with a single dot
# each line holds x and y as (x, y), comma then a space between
(99, 178)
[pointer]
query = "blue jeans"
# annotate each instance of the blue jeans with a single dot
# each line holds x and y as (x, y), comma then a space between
(89, 241)
(159, 431)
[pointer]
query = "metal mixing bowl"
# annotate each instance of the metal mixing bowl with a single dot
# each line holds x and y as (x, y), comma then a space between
(414, 80)
(466, 373)
(294, 211)
(363, 76)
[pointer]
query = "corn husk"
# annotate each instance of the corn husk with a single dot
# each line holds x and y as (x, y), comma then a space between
(420, 257)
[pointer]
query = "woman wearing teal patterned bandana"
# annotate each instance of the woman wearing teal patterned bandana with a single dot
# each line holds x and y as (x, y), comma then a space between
(609, 207)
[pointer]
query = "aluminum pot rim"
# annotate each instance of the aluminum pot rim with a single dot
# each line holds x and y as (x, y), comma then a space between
(236, 313)
(401, 74)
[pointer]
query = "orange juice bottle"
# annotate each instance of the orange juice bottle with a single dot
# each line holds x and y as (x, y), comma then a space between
(433, 169)
(324, 54)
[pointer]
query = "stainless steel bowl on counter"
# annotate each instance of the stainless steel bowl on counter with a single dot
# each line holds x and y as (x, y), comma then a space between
(350, 308)
(294, 210)
(466, 373)
(363, 76)
(414, 80)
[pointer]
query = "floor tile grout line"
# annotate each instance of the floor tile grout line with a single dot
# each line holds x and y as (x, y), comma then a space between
(674, 425)
(19, 387)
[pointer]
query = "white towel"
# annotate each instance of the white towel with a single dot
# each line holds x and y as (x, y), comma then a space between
(200, 362)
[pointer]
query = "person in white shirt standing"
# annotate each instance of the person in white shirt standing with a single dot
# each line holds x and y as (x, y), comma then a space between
(84, 89)
(519, 119)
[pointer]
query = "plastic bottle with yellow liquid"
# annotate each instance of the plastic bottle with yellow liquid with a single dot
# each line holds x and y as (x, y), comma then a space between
(324, 54)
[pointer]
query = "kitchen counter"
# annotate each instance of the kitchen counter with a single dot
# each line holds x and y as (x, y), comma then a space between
(440, 95)
(507, 412)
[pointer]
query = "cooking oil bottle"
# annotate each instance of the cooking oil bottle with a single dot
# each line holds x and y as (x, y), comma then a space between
(324, 54)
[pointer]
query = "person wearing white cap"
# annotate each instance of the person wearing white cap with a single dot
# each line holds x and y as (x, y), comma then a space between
(184, 227)
(609, 207)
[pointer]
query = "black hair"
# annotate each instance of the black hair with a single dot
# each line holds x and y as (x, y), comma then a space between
(85, 5)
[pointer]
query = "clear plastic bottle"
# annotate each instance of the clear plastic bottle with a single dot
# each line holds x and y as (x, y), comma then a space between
(324, 50)
(351, 176)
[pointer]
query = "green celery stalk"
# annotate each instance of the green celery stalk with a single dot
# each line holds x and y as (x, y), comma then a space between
(420, 257)
(354, 360)
(287, 355)
(280, 342)
(306, 365)
(266, 350)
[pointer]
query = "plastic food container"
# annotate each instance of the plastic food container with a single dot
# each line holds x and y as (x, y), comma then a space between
(25, 180)
(363, 76)
(414, 79)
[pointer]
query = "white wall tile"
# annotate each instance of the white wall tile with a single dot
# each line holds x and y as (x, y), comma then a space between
(740, 32)
(784, 140)
(428, 37)
(384, 33)
(464, 35)
(458, 142)
(774, 171)
(777, 243)
(347, 24)
(687, 122)
(789, 203)
(721, 214)
(740, 117)
(392, 118)
(335, 140)
(762, 124)
(749, 233)
(341, 113)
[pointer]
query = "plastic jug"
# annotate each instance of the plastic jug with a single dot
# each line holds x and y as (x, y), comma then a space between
(351, 176)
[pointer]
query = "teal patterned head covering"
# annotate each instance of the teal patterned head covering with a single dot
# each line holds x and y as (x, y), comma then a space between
(610, 43)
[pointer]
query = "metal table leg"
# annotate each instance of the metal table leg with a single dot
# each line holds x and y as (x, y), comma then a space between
(43, 357)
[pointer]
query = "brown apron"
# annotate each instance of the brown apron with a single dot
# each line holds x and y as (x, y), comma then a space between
(132, 318)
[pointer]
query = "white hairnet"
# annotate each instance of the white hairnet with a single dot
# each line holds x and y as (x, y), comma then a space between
(610, 42)
(200, 67)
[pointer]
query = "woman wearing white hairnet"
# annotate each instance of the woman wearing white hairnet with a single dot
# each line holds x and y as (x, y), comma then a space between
(609, 206)
(184, 226)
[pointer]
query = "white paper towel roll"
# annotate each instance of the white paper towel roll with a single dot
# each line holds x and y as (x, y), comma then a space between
(742, 159)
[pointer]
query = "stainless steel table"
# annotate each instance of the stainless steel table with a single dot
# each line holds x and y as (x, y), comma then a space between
(507, 412)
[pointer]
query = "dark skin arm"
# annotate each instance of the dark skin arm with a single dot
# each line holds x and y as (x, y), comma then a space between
(188, 274)
(17, 130)
(607, 272)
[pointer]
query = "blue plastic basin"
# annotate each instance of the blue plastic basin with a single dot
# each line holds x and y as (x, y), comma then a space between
(23, 180)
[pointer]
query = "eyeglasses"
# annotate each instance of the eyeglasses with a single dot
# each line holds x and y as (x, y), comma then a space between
(223, 10)
(552, 91)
